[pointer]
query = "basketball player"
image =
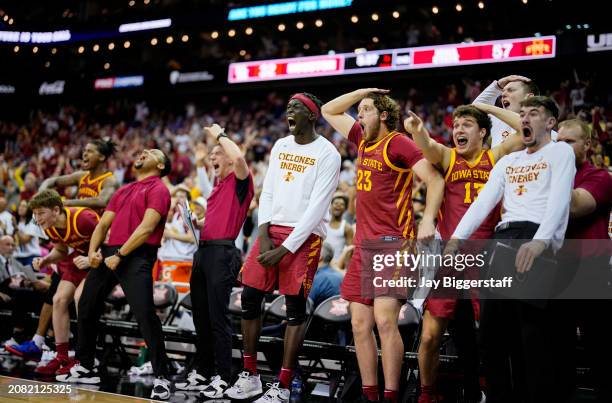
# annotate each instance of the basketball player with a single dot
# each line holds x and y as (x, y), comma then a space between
(96, 186)
(466, 169)
(386, 163)
(293, 207)
(536, 183)
(68, 228)
(512, 89)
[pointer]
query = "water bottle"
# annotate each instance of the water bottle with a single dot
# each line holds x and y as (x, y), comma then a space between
(296, 389)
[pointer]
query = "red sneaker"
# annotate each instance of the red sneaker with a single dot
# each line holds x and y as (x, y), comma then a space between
(65, 367)
(427, 398)
(50, 368)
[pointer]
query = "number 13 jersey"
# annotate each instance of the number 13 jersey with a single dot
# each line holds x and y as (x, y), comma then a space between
(463, 183)
(384, 186)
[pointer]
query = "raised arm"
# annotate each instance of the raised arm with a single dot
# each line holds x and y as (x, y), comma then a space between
(436, 153)
(109, 187)
(512, 143)
(231, 149)
(62, 181)
(335, 110)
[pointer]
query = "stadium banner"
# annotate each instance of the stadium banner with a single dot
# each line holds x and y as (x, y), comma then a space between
(597, 43)
(506, 50)
(118, 82)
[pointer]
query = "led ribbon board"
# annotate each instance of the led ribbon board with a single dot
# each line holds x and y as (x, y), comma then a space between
(507, 50)
(289, 7)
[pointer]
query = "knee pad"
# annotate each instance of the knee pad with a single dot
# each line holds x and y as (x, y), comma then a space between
(296, 309)
(251, 300)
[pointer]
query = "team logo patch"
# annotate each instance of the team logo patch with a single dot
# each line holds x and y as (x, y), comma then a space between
(520, 190)
(288, 177)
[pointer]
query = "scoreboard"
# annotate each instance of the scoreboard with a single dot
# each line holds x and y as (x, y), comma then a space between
(534, 48)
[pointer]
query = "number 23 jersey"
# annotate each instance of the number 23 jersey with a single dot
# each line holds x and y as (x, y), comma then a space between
(384, 186)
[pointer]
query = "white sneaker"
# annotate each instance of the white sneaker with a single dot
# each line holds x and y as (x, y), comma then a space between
(80, 374)
(245, 387)
(161, 389)
(144, 369)
(47, 356)
(275, 394)
(215, 389)
(194, 381)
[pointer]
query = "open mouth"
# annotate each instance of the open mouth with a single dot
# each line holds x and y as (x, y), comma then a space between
(462, 141)
(526, 132)
(215, 166)
(505, 103)
(291, 122)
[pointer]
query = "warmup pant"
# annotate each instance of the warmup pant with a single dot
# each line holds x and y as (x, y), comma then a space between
(215, 268)
(134, 275)
(524, 345)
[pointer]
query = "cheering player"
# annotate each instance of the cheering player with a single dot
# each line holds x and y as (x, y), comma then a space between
(466, 169)
(293, 208)
(519, 339)
(513, 89)
(95, 187)
(66, 227)
(386, 162)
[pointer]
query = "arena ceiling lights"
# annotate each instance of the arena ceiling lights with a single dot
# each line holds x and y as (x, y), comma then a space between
(289, 7)
(533, 48)
(145, 25)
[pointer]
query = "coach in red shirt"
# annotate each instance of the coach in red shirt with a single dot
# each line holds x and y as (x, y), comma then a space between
(216, 265)
(135, 215)
(587, 234)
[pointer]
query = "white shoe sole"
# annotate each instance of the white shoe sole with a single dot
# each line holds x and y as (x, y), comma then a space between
(191, 388)
(86, 381)
(161, 396)
(249, 395)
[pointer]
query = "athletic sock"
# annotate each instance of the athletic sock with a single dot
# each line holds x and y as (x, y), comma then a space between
(284, 378)
(370, 392)
(38, 340)
(391, 395)
(250, 363)
(62, 351)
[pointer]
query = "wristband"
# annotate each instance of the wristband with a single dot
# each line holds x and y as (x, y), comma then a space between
(221, 135)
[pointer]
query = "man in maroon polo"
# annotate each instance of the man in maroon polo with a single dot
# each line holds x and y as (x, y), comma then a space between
(587, 234)
(216, 265)
(135, 215)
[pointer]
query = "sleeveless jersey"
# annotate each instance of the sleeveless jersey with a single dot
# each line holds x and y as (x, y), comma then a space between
(384, 186)
(80, 223)
(463, 183)
(91, 187)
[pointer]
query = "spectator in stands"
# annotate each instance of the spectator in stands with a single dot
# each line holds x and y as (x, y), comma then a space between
(178, 243)
(7, 221)
(339, 232)
(27, 235)
(20, 290)
(327, 280)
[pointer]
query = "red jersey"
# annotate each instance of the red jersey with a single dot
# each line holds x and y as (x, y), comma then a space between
(80, 224)
(463, 183)
(92, 187)
(384, 186)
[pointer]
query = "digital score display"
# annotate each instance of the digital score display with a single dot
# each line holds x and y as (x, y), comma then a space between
(394, 59)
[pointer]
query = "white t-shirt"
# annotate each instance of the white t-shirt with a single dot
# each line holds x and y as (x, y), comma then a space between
(298, 188)
(173, 249)
(32, 248)
(535, 187)
(499, 129)
(7, 219)
(336, 238)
